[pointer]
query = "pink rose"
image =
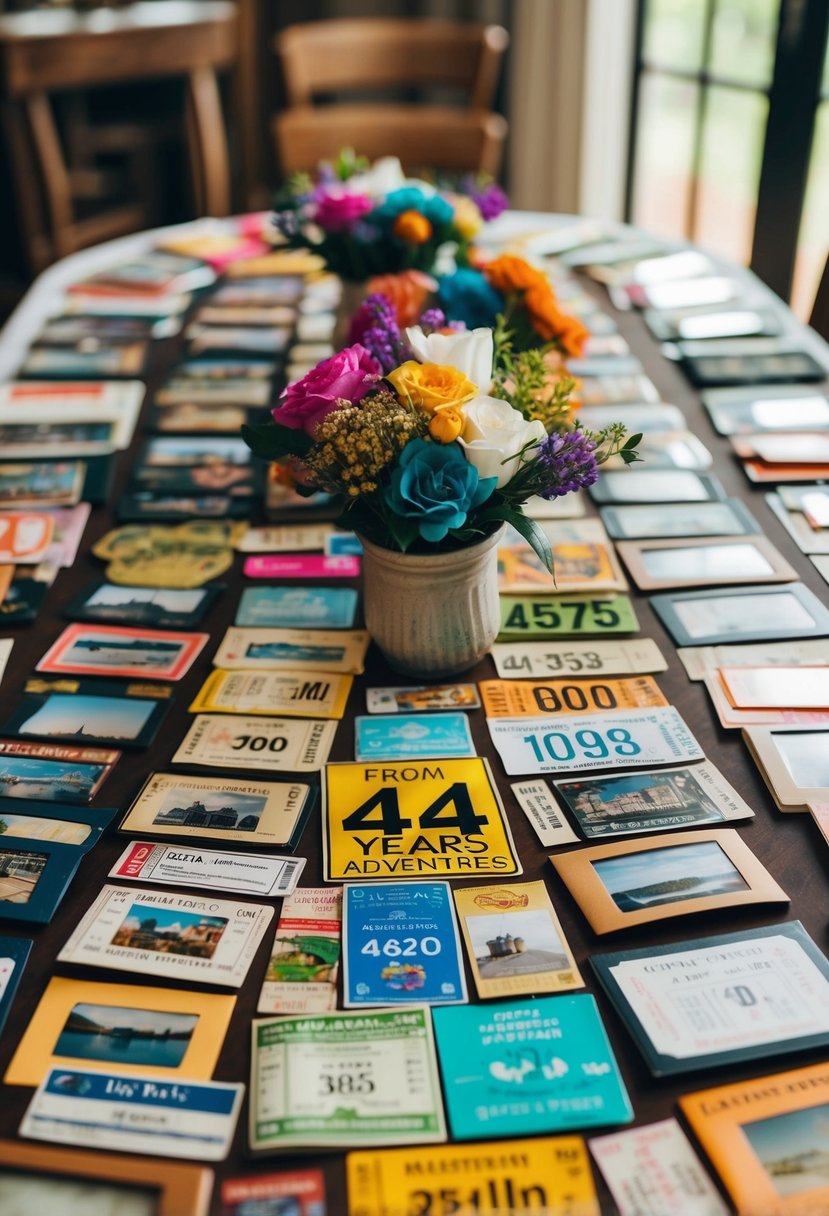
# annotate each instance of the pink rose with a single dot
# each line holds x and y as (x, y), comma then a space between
(345, 376)
(339, 211)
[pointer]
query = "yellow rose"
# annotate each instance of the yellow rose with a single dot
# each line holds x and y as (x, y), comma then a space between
(467, 217)
(430, 386)
(446, 425)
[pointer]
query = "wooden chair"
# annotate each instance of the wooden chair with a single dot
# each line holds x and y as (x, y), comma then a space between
(378, 55)
(51, 51)
(819, 319)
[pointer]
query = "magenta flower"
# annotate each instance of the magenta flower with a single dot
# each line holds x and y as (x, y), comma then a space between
(346, 376)
(338, 211)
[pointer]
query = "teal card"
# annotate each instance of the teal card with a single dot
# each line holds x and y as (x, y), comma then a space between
(520, 1068)
(297, 607)
(404, 737)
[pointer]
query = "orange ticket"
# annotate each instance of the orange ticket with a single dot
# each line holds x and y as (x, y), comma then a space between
(535, 698)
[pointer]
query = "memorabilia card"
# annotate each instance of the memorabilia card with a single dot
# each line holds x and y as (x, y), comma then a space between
(700, 661)
(213, 481)
(743, 411)
(427, 698)
(297, 607)
(110, 650)
(414, 819)
(245, 314)
(631, 738)
(205, 869)
(391, 737)
(151, 607)
(812, 500)
(138, 1030)
(185, 556)
(295, 745)
(300, 1193)
(794, 761)
(807, 538)
(538, 805)
(43, 483)
(305, 959)
(208, 940)
(514, 941)
(764, 992)
(641, 521)
(566, 616)
(116, 1111)
(634, 882)
(69, 711)
(582, 659)
(562, 1075)
(192, 418)
(766, 1138)
(761, 473)
(703, 562)
(263, 292)
(302, 566)
(582, 554)
(124, 359)
(658, 801)
(144, 505)
(669, 450)
(14, 951)
(733, 719)
(333, 1080)
(34, 876)
(25, 536)
(646, 419)
(209, 809)
(21, 600)
(653, 1169)
(670, 485)
(616, 390)
(532, 699)
(293, 649)
(777, 687)
(266, 340)
(285, 538)
(747, 614)
(401, 945)
(62, 823)
(553, 1173)
(295, 694)
(69, 524)
(67, 419)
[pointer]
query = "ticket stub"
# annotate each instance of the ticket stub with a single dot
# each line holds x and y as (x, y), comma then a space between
(531, 699)
(302, 566)
(305, 959)
(284, 539)
(293, 649)
(540, 807)
(515, 660)
(298, 745)
(296, 694)
(565, 616)
(242, 873)
(652, 1170)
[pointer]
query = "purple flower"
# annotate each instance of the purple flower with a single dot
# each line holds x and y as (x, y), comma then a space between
(346, 376)
(374, 326)
(489, 199)
(569, 463)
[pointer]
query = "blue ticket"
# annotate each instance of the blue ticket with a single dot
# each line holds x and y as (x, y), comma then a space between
(401, 945)
(343, 543)
(390, 737)
(297, 607)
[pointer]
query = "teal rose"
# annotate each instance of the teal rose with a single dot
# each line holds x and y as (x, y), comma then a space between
(436, 487)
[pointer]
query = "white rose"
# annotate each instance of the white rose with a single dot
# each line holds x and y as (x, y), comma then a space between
(493, 433)
(470, 351)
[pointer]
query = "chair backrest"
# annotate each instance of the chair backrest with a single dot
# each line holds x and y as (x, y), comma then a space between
(370, 54)
(819, 319)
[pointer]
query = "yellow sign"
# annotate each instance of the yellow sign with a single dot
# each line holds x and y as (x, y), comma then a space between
(539, 698)
(521, 1177)
(414, 819)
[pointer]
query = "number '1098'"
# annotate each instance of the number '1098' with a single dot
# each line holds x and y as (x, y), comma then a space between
(591, 745)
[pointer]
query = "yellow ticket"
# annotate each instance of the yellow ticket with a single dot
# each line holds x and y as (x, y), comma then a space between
(295, 694)
(536, 698)
(549, 1175)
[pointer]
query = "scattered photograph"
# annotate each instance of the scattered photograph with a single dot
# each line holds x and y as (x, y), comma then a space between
(21, 1194)
(20, 873)
(109, 650)
(97, 650)
(116, 1034)
(42, 484)
(154, 607)
(79, 717)
(805, 757)
(33, 827)
(793, 1149)
(169, 931)
(747, 614)
(642, 880)
(516, 943)
(30, 778)
(638, 802)
(288, 652)
(182, 451)
(219, 811)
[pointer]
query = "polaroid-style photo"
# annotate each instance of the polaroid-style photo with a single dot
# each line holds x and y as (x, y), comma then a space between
(701, 562)
(744, 614)
(669, 485)
(152, 607)
(643, 521)
(297, 607)
(794, 761)
(125, 716)
(108, 650)
(634, 882)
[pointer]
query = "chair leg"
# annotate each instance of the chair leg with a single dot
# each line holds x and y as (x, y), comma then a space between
(55, 177)
(22, 160)
(207, 144)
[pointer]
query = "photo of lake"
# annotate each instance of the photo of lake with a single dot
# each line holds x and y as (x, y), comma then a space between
(108, 653)
(118, 1035)
(793, 1149)
(665, 876)
(48, 780)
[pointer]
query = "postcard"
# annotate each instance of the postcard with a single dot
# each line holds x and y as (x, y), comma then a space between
(794, 761)
(414, 819)
(152, 607)
(298, 745)
(295, 694)
(732, 718)
(789, 407)
(206, 869)
(765, 992)
(295, 649)
(304, 964)
(208, 809)
(669, 485)
(67, 419)
(553, 1173)
(538, 805)
(657, 801)
(297, 607)
(531, 699)
(25, 536)
(629, 738)
(212, 480)
(540, 659)
(514, 941)
(582, 553)
(85, 1024)
(47, 772)
(14, 952)
(401, 945)
(700, 661)
(122, 359)
(748, 614)
(38, 1177)
(302, 566)
(207, 940)
(566, 616)
(117, 1111)
(391, 737)
(634, 882)
(34, 876)
(69, 524)
(652, 1170)
(72, 711)
(35, 484)
(702, 562)
(199, 418)
(643, 521)
(777, 687)
(285, 538)
(109, 650)
(562, 1075)
(333, 1080)
(145, 505)
(61, 823)
(303, 1191)
(766, 1138)
(422, 699)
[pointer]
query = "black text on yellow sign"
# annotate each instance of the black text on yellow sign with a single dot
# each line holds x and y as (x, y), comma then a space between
(414, 819)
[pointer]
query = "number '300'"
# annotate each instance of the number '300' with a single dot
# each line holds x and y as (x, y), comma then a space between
(590, 744)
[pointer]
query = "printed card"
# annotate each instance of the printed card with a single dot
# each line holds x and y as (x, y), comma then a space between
(25, 536)
(113, 1110)
(297, 607)
(334, 1080)
(77, 711)
(777, 687)
(41, 483)
(543, 659)
(14, 952)
(389, 737)
(624, 739)
(538, 805)
(285, 539)
(731, 718)
(153, 607)
(50, 772)
(269, 744)
(303, 1190)
(704, 562)
(293, 649)
(565, 616)
(794, 761)
(297, 566)
(294, 694)
(514, 941)
(422, 699)
(241, 873)
(699, 661)
(104, 650)
(530, 699)
(583, 556)
(741, 614)
(35, 873)
(652, 1170)
(304, 964)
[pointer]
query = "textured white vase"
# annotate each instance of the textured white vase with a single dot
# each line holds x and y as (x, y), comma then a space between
(433, 615)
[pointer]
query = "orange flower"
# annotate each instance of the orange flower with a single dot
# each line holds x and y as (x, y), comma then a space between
(408, 292)
(509, 274)
(446, 425)
(412, 227)
(551, 324)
